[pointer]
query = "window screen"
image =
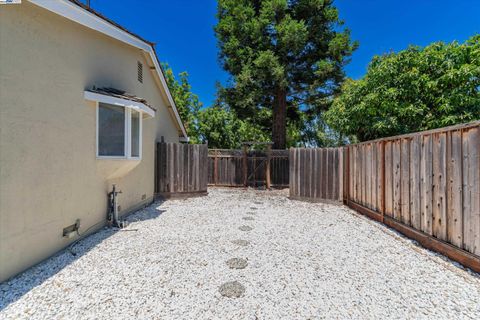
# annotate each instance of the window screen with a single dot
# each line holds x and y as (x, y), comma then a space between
(111, 130)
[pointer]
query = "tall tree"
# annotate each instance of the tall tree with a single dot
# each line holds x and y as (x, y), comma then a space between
(413, 90)
(286, 56)
(188, 104)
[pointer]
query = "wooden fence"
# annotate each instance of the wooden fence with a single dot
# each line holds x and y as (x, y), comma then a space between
(238, 168)
(425, 185)
(316, 174)
(181, 169)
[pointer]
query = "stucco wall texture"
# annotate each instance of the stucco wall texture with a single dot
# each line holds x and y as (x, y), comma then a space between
(49, 173)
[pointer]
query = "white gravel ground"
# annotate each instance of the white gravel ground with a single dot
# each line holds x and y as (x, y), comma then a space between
(305, 261)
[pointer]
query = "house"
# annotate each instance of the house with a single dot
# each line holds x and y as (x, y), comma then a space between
(82, 103)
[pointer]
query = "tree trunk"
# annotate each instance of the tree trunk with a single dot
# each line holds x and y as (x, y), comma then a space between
(279, 129)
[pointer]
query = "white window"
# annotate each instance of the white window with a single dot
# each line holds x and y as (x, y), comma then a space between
(118, 132)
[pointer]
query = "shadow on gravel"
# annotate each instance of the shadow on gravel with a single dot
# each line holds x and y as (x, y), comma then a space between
(13, 289)
(146, 214)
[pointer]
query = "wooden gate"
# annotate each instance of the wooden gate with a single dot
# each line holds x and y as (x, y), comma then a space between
(242, 168)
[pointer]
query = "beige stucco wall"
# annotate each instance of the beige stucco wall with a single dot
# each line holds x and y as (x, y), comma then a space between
(49, 174)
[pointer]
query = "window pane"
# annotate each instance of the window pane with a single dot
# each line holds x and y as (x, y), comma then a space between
(111, 130)
(135, 134)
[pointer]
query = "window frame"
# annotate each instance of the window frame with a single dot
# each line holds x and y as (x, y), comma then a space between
(127, 143)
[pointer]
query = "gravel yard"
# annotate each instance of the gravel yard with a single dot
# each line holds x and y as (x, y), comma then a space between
(295, 260)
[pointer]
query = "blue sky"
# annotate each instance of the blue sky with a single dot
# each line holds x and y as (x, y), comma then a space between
(183, 30)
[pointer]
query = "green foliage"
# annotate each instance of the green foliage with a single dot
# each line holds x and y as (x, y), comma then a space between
(188, 104)
(294, 48)
(218, 125)
(412, 90)
(220, 128)
(319, 134)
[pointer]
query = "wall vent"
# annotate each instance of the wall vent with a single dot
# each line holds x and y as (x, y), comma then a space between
(140, 71)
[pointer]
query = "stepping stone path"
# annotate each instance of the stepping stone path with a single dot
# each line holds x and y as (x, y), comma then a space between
(233, 289)
(242, 243)
(237, 263)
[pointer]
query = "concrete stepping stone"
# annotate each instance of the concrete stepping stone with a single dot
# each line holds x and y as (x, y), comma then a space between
(242, 243)
(245, 228)
(233, 289)
(248, 218)
(237, 263)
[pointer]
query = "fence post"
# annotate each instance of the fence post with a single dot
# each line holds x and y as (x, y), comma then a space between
(382, 204)
(346, 171)
(215, 168)
(267, 168)
(245, 166)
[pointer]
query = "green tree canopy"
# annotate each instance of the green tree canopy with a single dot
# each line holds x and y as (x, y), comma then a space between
(220, 128)
(188, 104)
(286, 58)
(218, 125)
(412, 90)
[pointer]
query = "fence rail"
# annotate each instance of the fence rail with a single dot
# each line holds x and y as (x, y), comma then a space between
(181, 169)
(426, 185)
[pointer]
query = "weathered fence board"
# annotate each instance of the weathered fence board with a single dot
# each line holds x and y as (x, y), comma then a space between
(181, 169)
(471, 189)
(454, 201)
(388, 179)
(405, 180)
(439, 186)
(415, 182)
(427, 184)
(320, 172)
